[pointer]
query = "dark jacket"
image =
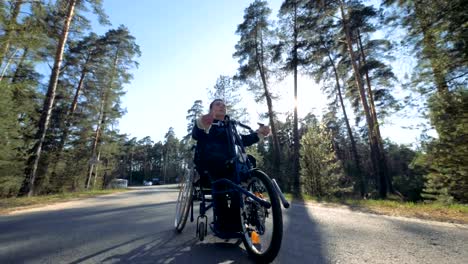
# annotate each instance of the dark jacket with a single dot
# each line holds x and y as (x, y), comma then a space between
(212, 147)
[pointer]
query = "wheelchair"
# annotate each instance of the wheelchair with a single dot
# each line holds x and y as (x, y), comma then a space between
(250, 191)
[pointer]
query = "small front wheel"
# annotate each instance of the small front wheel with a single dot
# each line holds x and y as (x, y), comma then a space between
(262, 227)
(184, 200)
(201, 231)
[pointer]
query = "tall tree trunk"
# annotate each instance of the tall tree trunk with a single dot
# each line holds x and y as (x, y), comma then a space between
(27, 187)
(357, 163)
(376, 130)
(96, 169)
(375, 154)
(97, 135)
(274, 131)
(131, 169)
(296, 175)
(165, 163)
(102, 116)
(271, 114)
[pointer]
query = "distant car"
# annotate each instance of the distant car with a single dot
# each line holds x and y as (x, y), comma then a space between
(118, 184)
(156, 181)
(147, 183)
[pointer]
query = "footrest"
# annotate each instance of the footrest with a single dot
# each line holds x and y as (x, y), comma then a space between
(224, 235)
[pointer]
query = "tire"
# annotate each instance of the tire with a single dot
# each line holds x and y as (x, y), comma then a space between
(201, 231)
(267, 223)
(184, 200)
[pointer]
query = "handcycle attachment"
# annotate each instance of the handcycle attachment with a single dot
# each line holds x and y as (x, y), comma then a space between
(280, 194)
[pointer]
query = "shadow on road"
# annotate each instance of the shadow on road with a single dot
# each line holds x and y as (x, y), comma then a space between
(52, 230)
(169, 246)
(171, 249)
(302, 238)
(149, 245)
(214, 252)
(160, 247)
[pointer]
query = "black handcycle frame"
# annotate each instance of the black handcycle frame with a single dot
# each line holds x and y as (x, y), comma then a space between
(243, 169)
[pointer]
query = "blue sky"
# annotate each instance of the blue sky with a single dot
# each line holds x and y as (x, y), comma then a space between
(186, 45)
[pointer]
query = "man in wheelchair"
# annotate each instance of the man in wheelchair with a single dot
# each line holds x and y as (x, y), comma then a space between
(212, 156)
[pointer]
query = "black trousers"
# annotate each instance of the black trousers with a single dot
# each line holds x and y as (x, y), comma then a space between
(226, 210)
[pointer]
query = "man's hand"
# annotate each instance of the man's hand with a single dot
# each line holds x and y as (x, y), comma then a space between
(207, 120)
(264, 130)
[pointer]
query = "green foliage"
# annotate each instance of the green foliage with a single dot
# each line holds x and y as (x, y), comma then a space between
(436, 31)
(294, 33)
(87, 102)
(171, 157)
(321, 172)
(192, 114)
(373, 60)
(446, 156)
(10, 165)
(253, 150)
(407, 178)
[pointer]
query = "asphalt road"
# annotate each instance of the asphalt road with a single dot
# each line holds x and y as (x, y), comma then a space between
(137, 227)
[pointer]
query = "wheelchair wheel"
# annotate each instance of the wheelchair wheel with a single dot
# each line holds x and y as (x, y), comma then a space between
(184, 200)
(262, 227)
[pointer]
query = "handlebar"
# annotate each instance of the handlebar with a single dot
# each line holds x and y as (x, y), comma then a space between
(235, 122)
(243, 125)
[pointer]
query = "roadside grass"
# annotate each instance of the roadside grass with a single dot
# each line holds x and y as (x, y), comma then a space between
(11, 204)
(452, 213)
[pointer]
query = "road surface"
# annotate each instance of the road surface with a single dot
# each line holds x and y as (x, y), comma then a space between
(137, 227)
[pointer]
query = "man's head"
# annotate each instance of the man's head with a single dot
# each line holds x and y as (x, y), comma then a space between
(218, 109)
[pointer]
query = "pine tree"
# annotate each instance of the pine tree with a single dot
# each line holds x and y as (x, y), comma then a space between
(32, 164)
(446, 156)
(121, 51)
(377, 152)
(293, 18)
(353, 19)
(11, 28)
(228, 90)
(10, 165)
(192, 114)
(324, 58)
(187, 143)
(255, 51)
(171, 157)
(321, 172)
(436, 33)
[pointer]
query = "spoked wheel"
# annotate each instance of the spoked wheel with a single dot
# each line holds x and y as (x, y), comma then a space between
(184, 200)
(262, 227)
